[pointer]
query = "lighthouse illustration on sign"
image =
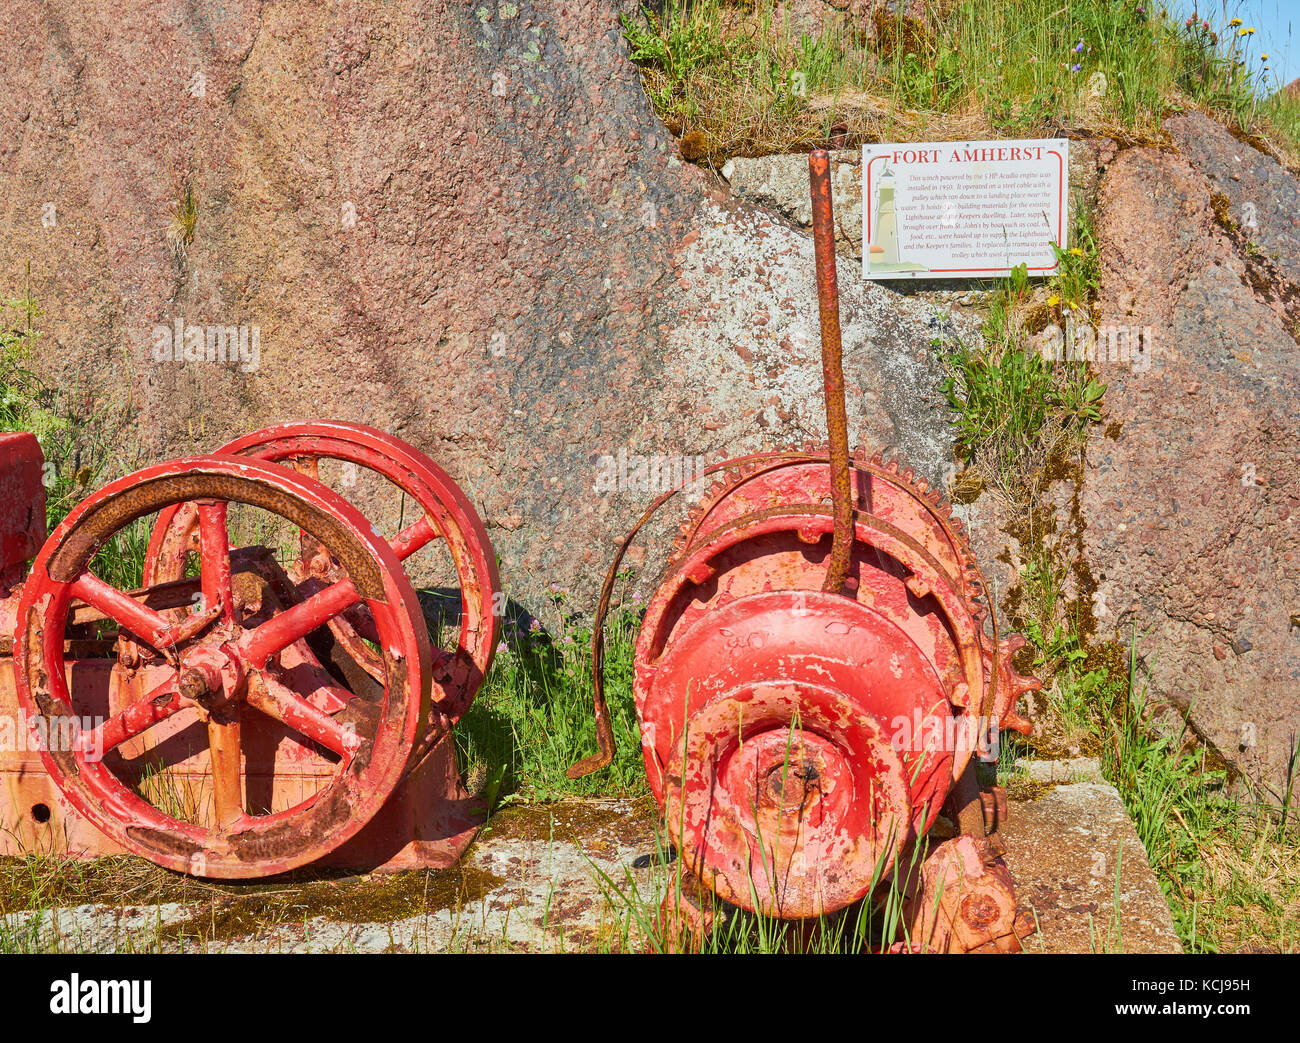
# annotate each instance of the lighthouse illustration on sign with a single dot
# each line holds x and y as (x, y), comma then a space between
(883, 248)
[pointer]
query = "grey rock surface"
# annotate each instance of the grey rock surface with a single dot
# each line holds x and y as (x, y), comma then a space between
(89, 928)
(780, 183)
(1069, 769)
(1082, 873)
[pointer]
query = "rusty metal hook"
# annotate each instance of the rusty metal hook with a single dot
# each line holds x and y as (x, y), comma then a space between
(605, 729)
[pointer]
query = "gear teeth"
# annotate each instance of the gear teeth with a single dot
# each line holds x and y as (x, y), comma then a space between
(1021, 684)
(873, 461)
(1013, 644)
(723, 481)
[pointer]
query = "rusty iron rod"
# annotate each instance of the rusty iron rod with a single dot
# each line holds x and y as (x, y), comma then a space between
(837, 423)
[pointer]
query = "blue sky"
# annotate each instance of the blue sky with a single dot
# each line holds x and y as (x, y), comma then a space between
(1277, 29)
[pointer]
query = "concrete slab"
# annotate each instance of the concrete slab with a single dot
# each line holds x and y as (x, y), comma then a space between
(89, 928)
(1067, 769)
(1081, 870)
(546, 879)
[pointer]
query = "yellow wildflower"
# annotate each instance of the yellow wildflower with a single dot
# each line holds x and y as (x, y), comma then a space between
(1053, 301)
(1075, 251)
(1234, 23)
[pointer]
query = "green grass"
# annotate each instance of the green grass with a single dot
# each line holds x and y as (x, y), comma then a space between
(25, 403)
(652, 916)
(1281, 113)
(73, 432)
(1174, 798)
(533, 716)
(1015, 410)
(744, 80)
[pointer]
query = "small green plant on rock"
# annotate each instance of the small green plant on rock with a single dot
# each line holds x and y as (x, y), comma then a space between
(23, 400)
(1016, 410)
(184, 221)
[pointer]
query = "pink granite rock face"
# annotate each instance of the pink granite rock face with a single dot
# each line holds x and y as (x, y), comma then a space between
(1192, 512)
(460, 222)
(1263, 199)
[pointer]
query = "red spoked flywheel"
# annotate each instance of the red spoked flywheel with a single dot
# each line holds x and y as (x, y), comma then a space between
(224, 679)
(798, 739)
(445, 517)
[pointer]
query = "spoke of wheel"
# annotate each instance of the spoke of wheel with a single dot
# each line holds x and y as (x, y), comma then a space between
(214, 557)
(227, 771)
(267, 694)
(157, 706)
(283, 629)
(124, 610)
(413, 537)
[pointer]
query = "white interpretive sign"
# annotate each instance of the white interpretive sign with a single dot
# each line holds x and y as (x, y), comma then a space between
(963, 209)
